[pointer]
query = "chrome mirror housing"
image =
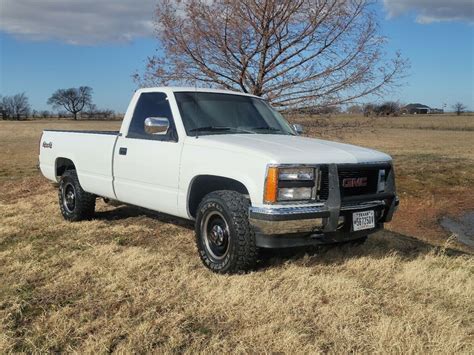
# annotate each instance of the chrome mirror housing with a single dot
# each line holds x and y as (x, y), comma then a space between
(157, 125)
(298, 128)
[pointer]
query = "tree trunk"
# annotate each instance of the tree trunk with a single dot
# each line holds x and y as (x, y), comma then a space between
(75, 115)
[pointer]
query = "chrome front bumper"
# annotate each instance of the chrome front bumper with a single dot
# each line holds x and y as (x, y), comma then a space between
(312, 219)
(328, 221)
(284, 220)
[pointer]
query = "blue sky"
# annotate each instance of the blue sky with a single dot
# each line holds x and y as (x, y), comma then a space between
(40, 53)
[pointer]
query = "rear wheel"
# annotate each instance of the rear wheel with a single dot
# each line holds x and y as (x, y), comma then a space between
(224, 238)
(75, 203)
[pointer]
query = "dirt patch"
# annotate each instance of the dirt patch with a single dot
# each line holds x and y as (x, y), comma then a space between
(462, 227)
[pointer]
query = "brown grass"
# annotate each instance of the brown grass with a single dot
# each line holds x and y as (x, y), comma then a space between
(131, 280)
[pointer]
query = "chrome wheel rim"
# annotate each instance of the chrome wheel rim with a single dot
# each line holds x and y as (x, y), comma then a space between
(69, 197)
(216, 235)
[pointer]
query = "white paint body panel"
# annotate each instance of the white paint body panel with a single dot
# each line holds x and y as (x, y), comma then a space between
(91, 154)
(158, 175)
(148, 175)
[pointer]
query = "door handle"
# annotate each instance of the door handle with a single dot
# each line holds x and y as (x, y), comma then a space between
(123, 151)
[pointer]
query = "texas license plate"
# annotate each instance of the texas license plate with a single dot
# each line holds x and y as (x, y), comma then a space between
(363, 220)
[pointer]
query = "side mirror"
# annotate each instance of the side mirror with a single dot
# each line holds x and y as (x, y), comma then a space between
(298, 129)
(157, 125)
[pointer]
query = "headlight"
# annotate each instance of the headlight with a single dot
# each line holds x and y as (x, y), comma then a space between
(290, 184)
(294, 193)
(296, 174)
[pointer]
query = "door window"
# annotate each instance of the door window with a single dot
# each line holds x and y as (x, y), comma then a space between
(151, 104)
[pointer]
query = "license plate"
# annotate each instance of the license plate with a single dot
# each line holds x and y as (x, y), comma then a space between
(363, 220)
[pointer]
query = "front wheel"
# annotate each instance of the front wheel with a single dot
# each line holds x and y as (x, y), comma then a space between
(224, 237)
(75, 203)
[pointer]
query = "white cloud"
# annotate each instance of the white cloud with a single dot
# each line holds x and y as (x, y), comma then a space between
(104, 21)
(433, 10)
(78, 21)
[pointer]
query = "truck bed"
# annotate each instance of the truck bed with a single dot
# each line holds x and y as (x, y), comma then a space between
(90, 151)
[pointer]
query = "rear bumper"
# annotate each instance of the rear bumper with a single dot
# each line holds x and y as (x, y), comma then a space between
(317, 224)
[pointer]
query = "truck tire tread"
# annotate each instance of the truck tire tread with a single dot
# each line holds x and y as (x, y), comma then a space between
(85, 202)
(245, 251)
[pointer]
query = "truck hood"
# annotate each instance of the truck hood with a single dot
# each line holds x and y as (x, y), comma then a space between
(285, 149)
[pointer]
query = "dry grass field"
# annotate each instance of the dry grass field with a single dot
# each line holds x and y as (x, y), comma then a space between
(131, 280)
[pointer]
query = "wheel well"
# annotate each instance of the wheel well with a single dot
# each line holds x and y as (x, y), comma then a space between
(204, 184)
(63, 164)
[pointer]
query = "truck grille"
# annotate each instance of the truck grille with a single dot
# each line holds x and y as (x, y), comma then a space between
(369, 174)
(359, 180)
(323, 191)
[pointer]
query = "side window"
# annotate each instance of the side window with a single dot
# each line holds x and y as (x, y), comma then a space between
(151, 104)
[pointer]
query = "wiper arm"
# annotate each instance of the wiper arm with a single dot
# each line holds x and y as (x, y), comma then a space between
(210, 129)
(219, 128)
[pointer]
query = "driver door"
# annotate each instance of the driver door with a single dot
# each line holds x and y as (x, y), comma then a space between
(146, 165)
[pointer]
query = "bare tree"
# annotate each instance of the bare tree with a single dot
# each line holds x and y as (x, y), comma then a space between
(459, 108)
(45, 114)
(3, 111)
(292, 52)
(73, 100)
(389, 108)
(91, 110)
(328, 110)
(16, 106)
(7, 107)
(106, 113)
(355, 110)
(370, 109)
(64, 114)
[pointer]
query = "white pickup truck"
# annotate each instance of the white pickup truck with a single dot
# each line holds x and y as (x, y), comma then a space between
(231, 163)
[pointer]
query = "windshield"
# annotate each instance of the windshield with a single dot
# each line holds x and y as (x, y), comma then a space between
(206, 113)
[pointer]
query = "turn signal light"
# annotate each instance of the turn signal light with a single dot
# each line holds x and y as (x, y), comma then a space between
(271, 185)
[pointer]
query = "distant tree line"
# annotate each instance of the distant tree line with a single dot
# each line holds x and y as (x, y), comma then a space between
(393, 108)
(388, 108)
(319, 110)
(67, 103)
(77, 102)
(14, 107)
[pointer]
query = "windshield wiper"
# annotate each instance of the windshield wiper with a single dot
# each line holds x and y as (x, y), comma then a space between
(219, 128)
(210, 129)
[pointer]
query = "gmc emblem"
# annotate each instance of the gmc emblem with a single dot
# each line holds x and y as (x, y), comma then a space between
(354, 182)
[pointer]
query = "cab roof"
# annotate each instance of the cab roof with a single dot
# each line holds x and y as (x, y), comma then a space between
(192, 89)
